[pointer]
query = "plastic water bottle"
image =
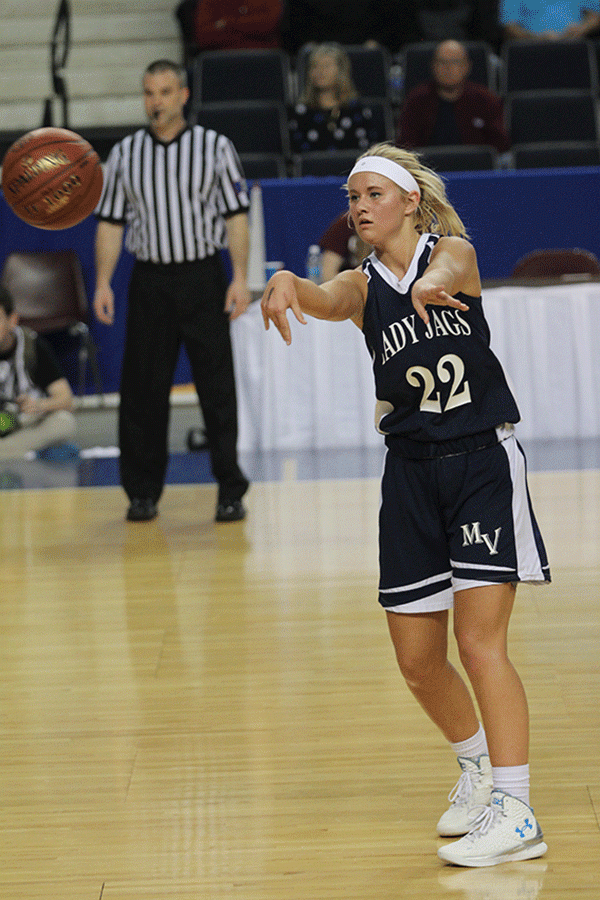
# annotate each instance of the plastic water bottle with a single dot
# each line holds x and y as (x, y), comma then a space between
(396, 82)
(313, 264)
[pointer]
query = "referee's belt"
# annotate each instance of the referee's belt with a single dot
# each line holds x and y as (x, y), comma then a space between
(172, 266)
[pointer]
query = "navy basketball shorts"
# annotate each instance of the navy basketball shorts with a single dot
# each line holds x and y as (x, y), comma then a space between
(453, 522)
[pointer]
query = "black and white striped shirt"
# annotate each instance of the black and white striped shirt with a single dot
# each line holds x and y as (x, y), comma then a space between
(173, 197)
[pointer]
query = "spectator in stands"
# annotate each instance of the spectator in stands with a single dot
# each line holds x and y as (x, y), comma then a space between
(229, 25)
(370, 22)
(461, 20)
(563, 20)
(36, 401)
(341, 248)
(450, 109)
(328, 115)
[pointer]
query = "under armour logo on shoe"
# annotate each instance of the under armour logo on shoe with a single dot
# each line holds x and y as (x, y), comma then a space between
(521, 831)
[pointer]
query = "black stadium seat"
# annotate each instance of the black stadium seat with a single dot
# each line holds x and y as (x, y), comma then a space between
(555, 154)
(104, 137)
(233, 75)
(7, 139)
(254, 127)
(542, 116)
(325, 163)
(459, 158)
(263, 165)
(548, 65)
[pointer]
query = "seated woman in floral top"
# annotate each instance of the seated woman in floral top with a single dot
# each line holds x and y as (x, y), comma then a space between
(329, 114)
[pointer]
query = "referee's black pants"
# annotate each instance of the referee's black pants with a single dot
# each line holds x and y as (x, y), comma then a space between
(170, 305)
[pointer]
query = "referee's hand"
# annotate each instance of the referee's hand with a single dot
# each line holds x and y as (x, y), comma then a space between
(104, 304)
(237, 299)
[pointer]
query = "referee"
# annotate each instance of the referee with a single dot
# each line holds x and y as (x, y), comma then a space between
(181, 192)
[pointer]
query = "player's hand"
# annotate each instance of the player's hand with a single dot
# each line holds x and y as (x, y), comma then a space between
(279, 296)
(104, 305)
(426, 291)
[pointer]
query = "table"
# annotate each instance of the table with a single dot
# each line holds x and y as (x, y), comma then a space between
(319, 393)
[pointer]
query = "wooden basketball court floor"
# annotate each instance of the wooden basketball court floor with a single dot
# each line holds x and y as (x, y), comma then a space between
(192, 710)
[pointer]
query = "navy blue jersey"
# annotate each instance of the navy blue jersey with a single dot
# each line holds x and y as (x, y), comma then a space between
(434, 382)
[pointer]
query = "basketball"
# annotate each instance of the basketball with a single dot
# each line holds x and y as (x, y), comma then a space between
(51, 178)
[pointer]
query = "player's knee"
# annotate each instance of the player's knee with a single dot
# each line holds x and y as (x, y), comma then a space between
(479, 654)
(421, 671)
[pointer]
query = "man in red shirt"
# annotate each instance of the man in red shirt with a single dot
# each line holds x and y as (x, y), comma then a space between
(223, 24)
(450, 109)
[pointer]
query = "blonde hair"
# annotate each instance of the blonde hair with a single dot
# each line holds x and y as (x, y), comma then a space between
(434, 213)
(344, 88)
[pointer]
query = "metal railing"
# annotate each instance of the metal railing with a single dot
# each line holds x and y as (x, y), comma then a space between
(60, 44)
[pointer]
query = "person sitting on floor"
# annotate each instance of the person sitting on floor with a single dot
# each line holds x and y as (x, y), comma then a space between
(36, 400)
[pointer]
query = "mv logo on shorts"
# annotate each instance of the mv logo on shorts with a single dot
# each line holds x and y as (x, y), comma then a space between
(472, 535)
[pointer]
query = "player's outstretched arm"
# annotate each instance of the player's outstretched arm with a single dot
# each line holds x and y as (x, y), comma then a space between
(452, 269)
(341, 298)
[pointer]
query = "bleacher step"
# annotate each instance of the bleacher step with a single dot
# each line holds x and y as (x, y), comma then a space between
(110, 47)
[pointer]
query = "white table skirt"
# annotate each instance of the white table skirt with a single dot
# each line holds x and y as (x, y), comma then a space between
(319, 393)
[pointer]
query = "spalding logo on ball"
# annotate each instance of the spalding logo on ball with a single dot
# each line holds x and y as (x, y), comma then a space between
(51, 178)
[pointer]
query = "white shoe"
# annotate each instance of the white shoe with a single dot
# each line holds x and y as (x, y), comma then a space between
(473, 789)
(505, 831)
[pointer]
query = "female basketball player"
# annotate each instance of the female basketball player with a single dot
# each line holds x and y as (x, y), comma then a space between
(456, 524)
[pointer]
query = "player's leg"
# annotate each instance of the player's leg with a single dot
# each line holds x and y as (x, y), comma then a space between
(420, 642)
(416, 590)
(421, 645)
(494, 542)
(492, 532)
(507, 830)
(481, 617)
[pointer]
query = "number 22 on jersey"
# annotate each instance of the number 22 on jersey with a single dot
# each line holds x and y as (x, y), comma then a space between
(449, 367)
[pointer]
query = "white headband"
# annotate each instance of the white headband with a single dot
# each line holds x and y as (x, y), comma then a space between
(392, 170)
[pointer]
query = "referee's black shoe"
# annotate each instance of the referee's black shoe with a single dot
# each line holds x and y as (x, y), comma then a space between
(231, 511)
(141, 510)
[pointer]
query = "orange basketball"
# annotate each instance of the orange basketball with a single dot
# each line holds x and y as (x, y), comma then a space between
(51, 178)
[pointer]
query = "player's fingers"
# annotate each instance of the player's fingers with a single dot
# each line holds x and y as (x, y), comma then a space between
(421, 311)
(442, 298)
(279, 318)
(265, 316)
(280, 321)
(295, 307)
(457, 304)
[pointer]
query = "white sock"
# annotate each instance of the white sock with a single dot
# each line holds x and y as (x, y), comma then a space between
(513, 780)
(473, 747)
